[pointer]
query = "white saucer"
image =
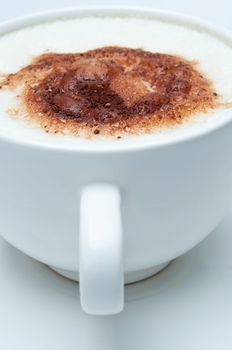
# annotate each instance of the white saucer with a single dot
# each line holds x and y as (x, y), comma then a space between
(186, 306)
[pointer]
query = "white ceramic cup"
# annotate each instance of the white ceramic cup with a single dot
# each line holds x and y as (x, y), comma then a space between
(116, 215)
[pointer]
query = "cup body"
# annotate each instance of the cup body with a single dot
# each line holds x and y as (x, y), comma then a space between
(172, 196)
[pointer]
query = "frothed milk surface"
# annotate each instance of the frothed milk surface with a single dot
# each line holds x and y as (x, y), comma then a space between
(213, 56)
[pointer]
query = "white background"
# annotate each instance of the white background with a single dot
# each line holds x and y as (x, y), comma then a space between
(187, 307)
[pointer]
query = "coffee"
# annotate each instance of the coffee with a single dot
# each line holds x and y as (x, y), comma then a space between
(110, 90)
(76, 84)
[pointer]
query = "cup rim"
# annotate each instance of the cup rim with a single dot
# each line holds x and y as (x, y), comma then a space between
(20, 22)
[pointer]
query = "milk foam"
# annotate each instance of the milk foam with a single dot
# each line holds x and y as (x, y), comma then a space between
(17, 48)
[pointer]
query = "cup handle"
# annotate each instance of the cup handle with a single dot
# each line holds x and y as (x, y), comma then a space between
(100, 265)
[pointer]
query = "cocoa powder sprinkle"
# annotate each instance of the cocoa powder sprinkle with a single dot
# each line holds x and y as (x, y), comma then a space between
(111, 90)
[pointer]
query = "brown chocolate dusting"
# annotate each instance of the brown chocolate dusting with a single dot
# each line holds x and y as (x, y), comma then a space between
(111, 90)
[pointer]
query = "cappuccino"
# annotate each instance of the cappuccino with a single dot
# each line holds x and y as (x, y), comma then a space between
(76, 87)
